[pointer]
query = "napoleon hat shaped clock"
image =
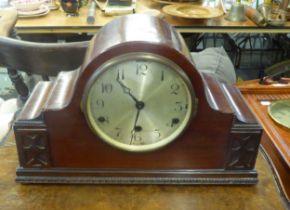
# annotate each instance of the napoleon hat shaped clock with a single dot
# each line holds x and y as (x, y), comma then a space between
(136, 112)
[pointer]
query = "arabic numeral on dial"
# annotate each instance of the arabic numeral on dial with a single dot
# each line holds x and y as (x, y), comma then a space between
(107, 88)
(174, 89)
(121, 74)
(141, 69)
(157, 133)
(162, 76)
(179, 106)
(137, 137)
(100, 103)
(118, 132)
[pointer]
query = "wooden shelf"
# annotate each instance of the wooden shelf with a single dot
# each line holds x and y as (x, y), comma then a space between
(58, 22)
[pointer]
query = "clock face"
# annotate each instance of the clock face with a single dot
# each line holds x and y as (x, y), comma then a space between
(138, 102)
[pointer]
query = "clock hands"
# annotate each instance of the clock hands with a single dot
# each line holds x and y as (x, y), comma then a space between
(126, 89)
(133, 131)
(138, 104)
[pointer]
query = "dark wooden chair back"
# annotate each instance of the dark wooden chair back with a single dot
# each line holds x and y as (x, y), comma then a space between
(41, 58)
(46, 59)
(36, 58)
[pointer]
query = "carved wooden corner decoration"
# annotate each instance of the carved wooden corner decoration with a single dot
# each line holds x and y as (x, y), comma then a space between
(243, 151)
(33, 146)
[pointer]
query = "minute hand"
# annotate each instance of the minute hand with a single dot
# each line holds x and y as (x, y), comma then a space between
(126, 89)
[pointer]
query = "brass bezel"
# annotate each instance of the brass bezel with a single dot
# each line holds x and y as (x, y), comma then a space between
(192, 107)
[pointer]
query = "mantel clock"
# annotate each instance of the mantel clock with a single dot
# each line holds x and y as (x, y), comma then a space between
(136, 112)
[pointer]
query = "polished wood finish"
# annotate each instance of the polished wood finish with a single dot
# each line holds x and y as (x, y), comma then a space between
(58, 22)
(263, 195)
(276, 139)
(56, 145)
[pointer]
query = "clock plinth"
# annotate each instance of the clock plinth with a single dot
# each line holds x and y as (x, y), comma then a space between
(204, 132)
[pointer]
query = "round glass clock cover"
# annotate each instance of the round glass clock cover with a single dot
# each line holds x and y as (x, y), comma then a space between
(139, 102)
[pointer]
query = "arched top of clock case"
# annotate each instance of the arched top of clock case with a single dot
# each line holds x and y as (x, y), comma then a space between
(135, 28)
(139, 33)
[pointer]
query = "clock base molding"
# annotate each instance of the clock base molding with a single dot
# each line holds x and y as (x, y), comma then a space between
(176, 177)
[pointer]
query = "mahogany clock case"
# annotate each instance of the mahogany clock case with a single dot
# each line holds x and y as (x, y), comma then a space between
(56, 145)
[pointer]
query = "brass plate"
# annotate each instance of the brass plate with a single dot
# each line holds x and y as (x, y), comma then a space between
(192, 11)
(177, 2)
(280, 112)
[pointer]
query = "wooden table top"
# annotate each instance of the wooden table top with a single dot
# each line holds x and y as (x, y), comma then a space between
(263, 195)
(58, 22)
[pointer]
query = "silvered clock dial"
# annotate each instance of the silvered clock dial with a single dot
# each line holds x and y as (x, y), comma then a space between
(139, 102)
